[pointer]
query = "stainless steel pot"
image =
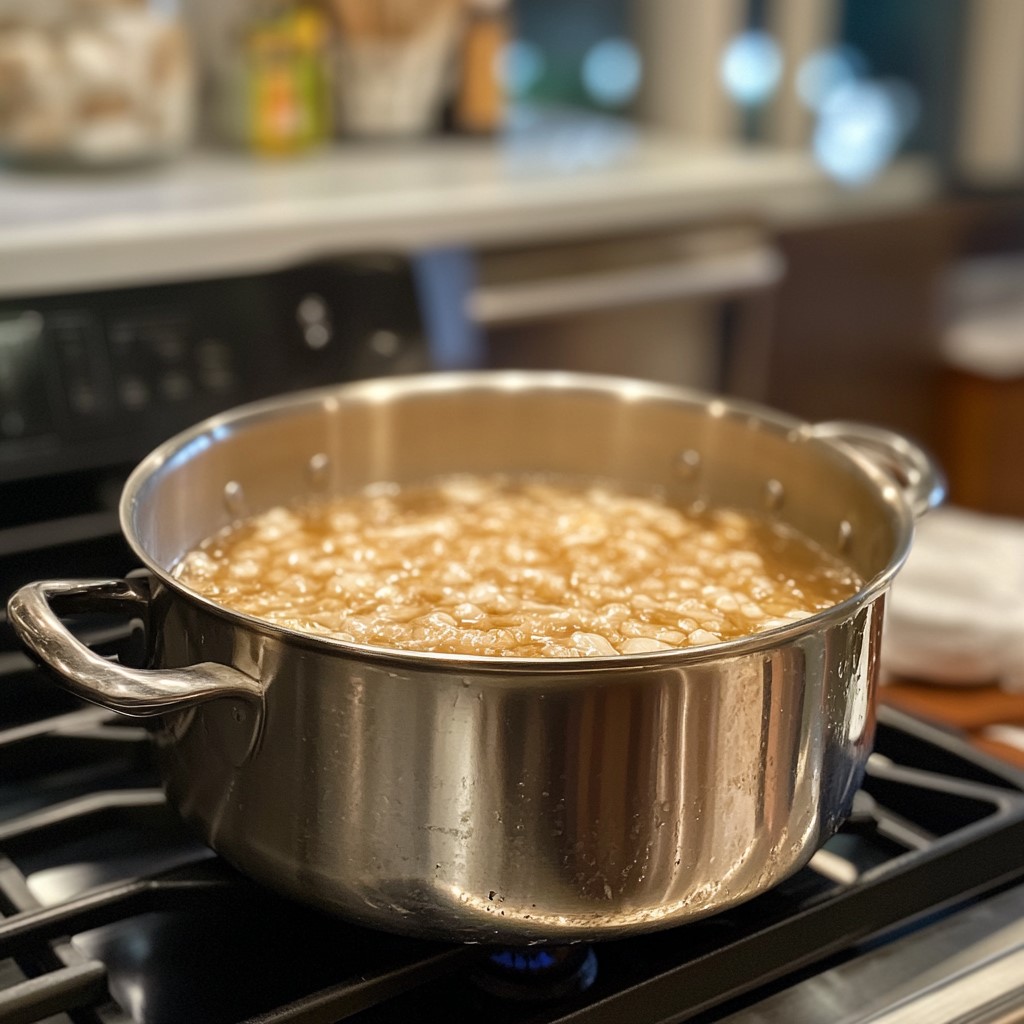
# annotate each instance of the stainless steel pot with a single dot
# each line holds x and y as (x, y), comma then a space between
(496, 799)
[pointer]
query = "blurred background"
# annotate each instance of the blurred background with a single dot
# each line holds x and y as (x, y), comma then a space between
(818, 204)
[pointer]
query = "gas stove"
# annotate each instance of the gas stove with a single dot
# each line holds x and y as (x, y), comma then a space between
(115, 912)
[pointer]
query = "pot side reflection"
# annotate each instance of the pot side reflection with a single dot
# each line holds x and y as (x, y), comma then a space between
(496, 807)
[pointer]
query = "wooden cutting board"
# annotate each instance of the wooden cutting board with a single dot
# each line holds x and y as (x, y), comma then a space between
(968, 708)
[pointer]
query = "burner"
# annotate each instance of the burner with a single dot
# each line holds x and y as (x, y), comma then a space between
(538, 973)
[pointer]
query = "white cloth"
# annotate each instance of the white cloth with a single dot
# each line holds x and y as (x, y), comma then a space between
(956, 611)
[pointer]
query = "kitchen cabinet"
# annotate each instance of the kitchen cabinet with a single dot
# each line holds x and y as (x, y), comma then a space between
(858, 324)
(856, 330)
(981, 430)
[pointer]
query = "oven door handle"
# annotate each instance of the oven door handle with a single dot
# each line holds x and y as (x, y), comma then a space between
(748, 270)
(141, 693)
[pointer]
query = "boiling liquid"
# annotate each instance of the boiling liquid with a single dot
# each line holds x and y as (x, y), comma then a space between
(515, 568)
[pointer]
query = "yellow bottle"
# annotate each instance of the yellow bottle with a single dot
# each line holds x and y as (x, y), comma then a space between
(286, 85)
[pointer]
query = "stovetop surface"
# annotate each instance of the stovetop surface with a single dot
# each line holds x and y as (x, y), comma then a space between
(164, 932)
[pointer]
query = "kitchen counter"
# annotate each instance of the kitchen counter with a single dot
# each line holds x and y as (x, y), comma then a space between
(216, 214)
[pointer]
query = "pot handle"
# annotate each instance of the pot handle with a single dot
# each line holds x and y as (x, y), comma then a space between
(914, 470)
(138, 692)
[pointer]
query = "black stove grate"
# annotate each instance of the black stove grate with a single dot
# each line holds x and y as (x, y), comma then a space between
(165, 933)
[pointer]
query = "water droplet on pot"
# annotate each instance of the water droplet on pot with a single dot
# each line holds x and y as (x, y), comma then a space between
(234, 498)
(774, 495)
(318, 471)
(845, 536)
(687, 464)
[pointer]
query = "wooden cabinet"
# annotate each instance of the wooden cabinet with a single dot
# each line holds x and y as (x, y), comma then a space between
(857, 329)
(857, 335)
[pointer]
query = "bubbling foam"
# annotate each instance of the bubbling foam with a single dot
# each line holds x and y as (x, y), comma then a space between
(515, 567)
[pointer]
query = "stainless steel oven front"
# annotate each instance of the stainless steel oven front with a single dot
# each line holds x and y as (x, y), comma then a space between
(687, 304)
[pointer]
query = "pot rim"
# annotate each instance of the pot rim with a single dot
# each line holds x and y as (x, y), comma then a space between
(202, 435)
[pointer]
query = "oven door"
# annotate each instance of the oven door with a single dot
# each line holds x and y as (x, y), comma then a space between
(687, 306)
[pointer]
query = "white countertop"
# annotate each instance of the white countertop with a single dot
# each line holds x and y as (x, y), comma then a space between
(221, 213)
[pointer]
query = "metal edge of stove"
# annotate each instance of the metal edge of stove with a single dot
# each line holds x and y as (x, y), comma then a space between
(968, 967)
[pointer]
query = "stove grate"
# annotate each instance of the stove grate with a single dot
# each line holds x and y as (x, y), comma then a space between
(936, 825)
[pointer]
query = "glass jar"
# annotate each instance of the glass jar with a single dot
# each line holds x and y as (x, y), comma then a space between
(94, 82)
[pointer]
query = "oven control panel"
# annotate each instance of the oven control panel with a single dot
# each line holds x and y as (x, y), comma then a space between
(100, 378)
